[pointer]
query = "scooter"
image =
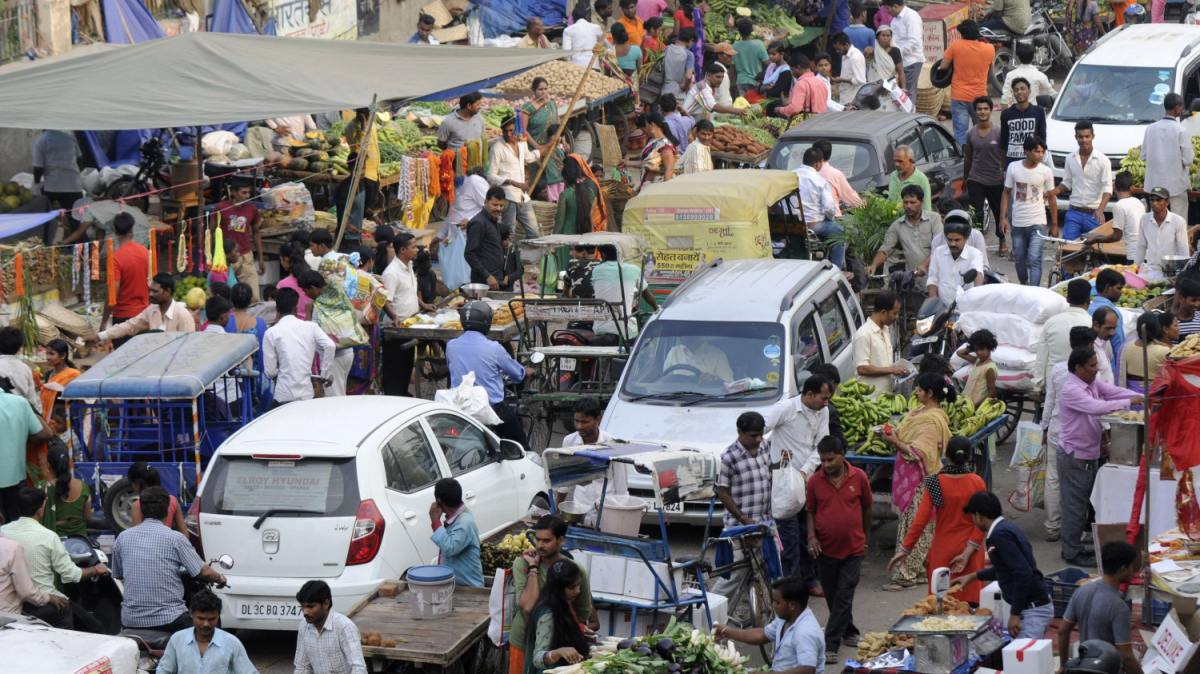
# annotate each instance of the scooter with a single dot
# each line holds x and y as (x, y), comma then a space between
(100, 595)
(934, 327)
(1049, 46)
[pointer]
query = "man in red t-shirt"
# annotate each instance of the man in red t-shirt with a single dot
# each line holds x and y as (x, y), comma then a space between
(238, 220)
(131, 264)
(839, 517)
(972, 58)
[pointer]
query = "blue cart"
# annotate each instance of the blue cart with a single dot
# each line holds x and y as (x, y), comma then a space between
(981, 463)
(679, 475)
(169, 399)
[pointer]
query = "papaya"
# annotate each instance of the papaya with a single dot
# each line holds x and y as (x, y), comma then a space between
(314, 135)
(323, 156)
(296, 143)
(317, 166)
(298, 164)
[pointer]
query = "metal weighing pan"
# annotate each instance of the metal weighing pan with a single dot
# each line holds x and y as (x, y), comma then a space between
(905, 626)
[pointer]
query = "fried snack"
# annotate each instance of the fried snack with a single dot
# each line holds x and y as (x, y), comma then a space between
(389, 643)
(949, 624)
(452, 325)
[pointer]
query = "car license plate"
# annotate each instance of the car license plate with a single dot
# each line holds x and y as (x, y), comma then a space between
(925, 340)
(269, 610)
(566, 364)
(676, 508)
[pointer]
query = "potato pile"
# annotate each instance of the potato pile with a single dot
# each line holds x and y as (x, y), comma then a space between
(373, 638)
(733, 140)
(563, 77)
(874, 644)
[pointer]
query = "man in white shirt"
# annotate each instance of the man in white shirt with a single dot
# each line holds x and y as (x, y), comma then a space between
(507, 170)
(975, 240)
(1167, 151)
(15, 370)
(1038, 82)
(290, 128)
(950, 261)
(1104, 322)
(1127, 212)
(818, 204)
(402, 303)
(582, 36)
(906, 35)
(843, 192)
(1162, 232)
(1028, 183)
(701, 99)
(854, 68)
(468, 201)
(616, 282)
(874, 359)
(797, 424)
(587, 413)
(1088, 178)
(289, 348)
(696, 352)
(1055, 346)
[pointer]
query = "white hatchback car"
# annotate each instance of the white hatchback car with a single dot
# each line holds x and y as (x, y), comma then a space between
(339, 489)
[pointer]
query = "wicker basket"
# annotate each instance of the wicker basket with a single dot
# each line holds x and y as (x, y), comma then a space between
(47, 331)
(617, 194)
(543, 212)
(929, 97)
(66, 321)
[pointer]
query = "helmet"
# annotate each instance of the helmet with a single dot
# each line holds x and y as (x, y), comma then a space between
(1095, 657)
(476, 315)
(1135, 13)
(958, 221)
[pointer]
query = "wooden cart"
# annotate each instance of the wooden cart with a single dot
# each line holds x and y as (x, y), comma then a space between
(729, 160)
(445, 645)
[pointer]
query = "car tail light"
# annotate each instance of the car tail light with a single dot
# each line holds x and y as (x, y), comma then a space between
(367, 536)
(192, 521)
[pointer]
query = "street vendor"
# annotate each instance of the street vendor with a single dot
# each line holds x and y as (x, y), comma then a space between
(131, 262)
(874, 361)
(426, 24)
(529, 573)
(587, 413)
(911, 233)
(290, 128)
(484, 251)
(458, 536)
(798, 638)
(702, 99)
(238, 219)
(1110, 284)
(1099, 609)
(163, 314)
(464, 124)
(1161, 232)
(535, 35)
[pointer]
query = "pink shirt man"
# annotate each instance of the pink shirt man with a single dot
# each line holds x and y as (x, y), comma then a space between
(842, 191)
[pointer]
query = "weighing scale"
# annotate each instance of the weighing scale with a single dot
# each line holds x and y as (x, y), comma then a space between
(943, 651)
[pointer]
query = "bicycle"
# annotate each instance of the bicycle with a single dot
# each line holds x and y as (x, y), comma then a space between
(755, 584)
(1092, 256)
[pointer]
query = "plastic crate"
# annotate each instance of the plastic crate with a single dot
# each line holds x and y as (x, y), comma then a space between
(1062, 587)
(1154, 612)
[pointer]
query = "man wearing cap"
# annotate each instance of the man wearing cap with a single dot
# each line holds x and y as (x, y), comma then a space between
(507, 170)
(725, 53)
(1162, 232)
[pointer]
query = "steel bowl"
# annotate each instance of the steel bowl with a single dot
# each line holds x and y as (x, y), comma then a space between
(475, 291)
(572, 512)
(1173, 264)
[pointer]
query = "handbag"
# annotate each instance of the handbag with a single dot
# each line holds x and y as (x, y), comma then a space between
(502, 606)
(651, 87)
(787, 491)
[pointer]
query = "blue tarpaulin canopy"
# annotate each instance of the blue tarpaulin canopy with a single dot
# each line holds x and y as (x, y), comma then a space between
(504, 17)
(129, 22)
(229, 16)
(163, 365)
(14, 224)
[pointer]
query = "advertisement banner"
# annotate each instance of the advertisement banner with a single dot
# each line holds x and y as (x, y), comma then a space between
(335, 20)
(671, 214)
(674, 266)
(728, 240)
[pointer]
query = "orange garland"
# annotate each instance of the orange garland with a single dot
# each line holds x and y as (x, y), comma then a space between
(110, 274)
(20, 273)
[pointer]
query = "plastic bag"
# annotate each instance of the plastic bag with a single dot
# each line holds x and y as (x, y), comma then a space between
(787, 491)
(455, 271)
(1030, 461)
(471, 399)
(899, 96)
(502, 606)
(336, 317)
(216, 143)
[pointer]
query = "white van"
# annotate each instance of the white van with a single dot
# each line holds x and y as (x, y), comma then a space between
(1119, 85)
(772, 320)
(339, 489)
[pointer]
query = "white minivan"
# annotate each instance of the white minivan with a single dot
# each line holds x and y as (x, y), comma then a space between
(771, 320)
(1119, 85)
(339, 489)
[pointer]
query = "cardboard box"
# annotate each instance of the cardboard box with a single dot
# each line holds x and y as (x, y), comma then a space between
(990, 598)
(607, 574)
(1178, 638)
(1029, 656)
(585, 558)
(641, 580)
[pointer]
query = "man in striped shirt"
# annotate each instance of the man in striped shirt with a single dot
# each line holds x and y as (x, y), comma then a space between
(701, 99)
(1187, 307)
(327, 642)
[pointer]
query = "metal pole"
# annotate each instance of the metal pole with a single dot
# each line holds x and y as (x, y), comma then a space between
(562, 125)
(359, 166)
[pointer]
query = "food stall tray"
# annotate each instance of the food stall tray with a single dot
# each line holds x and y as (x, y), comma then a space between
(906, 625)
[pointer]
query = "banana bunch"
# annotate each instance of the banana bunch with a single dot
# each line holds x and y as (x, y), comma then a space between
(966, 420)
(858, 413)
(1134, 164)
(716, 29)
(723, 7)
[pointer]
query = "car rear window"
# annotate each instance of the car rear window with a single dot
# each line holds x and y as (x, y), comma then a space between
(856, 160)
(247, 486)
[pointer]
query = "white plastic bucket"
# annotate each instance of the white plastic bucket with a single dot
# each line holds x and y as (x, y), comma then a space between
(434, 597)
(622, 515)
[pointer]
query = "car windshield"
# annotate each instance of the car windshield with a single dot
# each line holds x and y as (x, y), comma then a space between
(1114, 95)
(706, 361)
(856, 160)
(248, 486)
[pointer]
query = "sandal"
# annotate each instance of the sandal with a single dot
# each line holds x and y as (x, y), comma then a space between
(893, 587)
(831, 658)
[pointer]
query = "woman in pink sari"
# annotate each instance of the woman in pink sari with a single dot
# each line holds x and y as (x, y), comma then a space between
(920, 439)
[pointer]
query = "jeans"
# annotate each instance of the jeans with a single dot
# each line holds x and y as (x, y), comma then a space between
(1051, 495)
(1075, 480)
(912, 76)
(839, 578)
(1077, 223)
(1027, 250)
(963, 113)
(793, 534)
(179, 624)
(397, 367)
(993, 194)
(1034, 621)
(825, 230)
(523, 211)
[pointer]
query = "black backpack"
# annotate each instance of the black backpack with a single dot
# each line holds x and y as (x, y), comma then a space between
(651, 87)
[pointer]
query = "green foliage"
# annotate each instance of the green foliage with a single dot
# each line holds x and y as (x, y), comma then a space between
(864, 228)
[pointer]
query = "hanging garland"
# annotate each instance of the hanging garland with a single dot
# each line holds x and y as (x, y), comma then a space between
(110, 272)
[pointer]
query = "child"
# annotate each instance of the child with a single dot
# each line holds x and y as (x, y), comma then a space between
(231, 258)
(799, 641)
(141, 477)
(217, 309)
(652, 44)
(777, 78)
(981, 380)
(1127, 212)
(458, 536)
(823, 67)
(427, 280)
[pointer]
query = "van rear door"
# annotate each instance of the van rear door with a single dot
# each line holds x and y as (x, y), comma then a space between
(280, 515)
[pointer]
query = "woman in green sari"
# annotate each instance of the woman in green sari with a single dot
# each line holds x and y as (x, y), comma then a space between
(540, 120)
(576, 206)
(554, 636)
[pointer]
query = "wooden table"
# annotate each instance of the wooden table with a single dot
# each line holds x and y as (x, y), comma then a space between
(441, 642)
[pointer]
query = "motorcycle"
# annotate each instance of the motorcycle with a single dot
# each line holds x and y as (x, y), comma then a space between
(154, 175)
(934, 331)
(1050, 48)
(100, 595)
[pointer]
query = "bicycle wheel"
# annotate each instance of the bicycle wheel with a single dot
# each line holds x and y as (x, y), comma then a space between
(1012, 416)
(761, 613)
(538, 426)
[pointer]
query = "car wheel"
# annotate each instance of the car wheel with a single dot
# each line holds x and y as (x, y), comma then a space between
(540, 503)
(118, 505)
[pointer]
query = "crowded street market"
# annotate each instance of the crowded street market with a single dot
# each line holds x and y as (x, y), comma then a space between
(712, 336)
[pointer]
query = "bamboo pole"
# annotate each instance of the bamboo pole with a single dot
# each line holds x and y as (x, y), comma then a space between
(562, 124)
(1146, 456)
(359, 166)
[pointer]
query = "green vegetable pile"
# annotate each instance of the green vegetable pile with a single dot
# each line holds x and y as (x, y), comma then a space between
(401, 135)
(185, 284)
(680, 649)
(434, 107)
(338, 130)
(496, 115)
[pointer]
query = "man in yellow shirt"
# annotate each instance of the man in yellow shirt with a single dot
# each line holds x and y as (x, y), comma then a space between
(368, 192)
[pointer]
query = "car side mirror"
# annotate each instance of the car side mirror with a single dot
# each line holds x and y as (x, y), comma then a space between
(511, 450)
(970, 275)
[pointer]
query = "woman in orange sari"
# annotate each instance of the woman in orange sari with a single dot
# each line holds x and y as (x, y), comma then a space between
(919, 440)
(956, 538)
(62, 372)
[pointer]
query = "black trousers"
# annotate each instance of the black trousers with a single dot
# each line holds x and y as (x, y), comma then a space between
(8, 501)
(181, 623)
(510, 427)
(977, 192)
(397, 367)
(63, 620)
(839, 579)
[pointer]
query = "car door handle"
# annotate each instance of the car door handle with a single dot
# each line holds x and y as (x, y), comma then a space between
(469, 495)
(410, 515)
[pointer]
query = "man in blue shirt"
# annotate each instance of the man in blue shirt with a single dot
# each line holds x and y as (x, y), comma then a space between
(1109, 285)
(862, 37)
(474, 352)
(205, 648)
(425, 26)
(458, 536)
(799, 641)
(1013, 567)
